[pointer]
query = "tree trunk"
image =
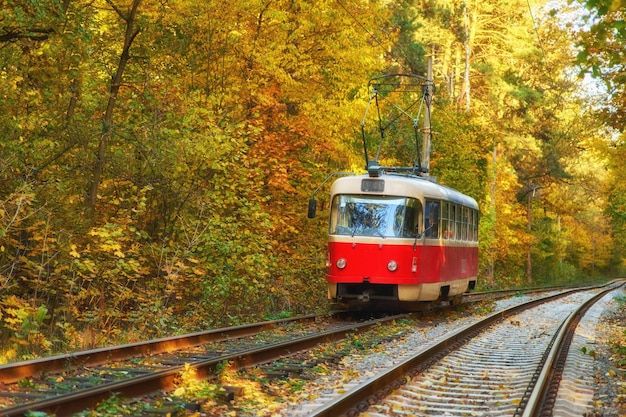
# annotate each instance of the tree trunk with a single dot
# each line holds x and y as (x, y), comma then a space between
(529, 266)
(469, 35)
(116, 82)
(491, 258)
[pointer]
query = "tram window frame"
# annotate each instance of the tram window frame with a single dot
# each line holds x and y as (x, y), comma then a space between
(432, 209)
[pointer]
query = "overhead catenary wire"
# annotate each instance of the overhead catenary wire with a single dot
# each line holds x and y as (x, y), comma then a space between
(361, 25)
(377, 97)
(543, 52)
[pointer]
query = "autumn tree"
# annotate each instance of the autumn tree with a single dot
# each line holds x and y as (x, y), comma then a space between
(602, 54)
(602, 38)
(156, 157)
(131, 30)
(195, 129)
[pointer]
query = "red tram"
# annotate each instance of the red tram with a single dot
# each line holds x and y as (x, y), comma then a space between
(400, 238)
(396, 237)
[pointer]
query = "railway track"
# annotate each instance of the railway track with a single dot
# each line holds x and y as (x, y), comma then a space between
(509, 363)
(66, 384)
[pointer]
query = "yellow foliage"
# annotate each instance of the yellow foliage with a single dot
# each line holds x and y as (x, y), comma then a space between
(73, 252)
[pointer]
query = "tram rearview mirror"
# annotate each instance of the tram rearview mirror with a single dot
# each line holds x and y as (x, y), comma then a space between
(312, 208)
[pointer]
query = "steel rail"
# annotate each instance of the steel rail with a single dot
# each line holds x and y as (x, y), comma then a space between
(373, 390)
(14, 372)
(538, 402)
(68, 404)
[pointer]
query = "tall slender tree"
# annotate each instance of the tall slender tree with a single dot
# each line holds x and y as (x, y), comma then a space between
(131, 30)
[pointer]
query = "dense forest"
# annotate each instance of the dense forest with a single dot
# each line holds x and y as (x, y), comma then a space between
(156, 157)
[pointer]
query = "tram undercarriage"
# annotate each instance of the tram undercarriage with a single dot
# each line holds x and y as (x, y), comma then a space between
(398, 297)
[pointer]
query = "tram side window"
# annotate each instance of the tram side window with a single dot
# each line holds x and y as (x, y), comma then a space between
(459, 223)
(451, 221)
(431, 219)
(475, 225)
(466, 223)
(452, 233)
(338, 216)
(462, 232)
(412, 218)
(444, 219)
(470, 224)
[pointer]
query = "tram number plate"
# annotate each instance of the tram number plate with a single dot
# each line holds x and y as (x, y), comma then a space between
(376, 186)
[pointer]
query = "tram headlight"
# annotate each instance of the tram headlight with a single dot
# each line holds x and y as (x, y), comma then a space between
(392, 265)
(341, 263)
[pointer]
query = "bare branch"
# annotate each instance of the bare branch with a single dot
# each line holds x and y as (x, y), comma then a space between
(33, 34)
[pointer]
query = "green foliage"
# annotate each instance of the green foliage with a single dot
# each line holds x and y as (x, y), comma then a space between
(602, 53)
(616, 204)
(23, 326)
(223, 120)
(36, 414)
(409, 53)
(460, 152)
(115, 406)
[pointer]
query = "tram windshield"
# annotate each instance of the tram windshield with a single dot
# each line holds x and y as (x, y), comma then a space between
(366, 215)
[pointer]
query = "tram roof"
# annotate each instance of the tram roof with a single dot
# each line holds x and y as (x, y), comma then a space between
(403, 185)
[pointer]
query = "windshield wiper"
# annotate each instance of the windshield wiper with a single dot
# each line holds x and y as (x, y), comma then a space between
(417, 237)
